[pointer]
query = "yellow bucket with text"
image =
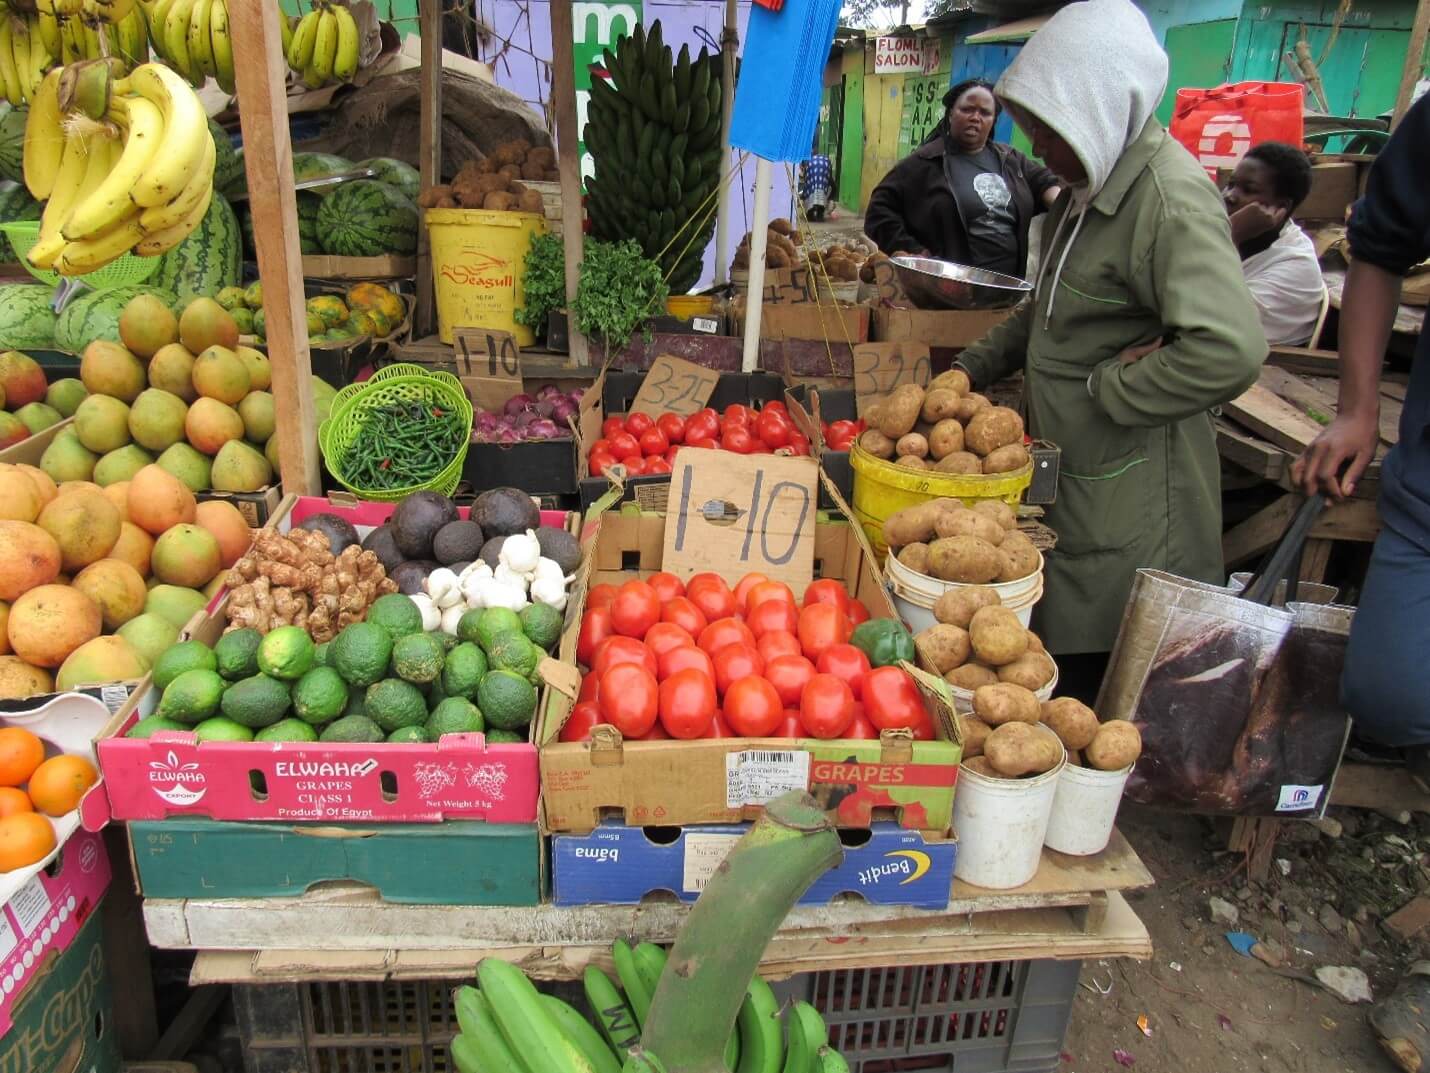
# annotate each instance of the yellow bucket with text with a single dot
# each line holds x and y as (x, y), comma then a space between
(478, 266)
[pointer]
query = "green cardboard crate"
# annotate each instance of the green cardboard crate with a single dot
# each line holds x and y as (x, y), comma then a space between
(65, 1022)
(453, 863)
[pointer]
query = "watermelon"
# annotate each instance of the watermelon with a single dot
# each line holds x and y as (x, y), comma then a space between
(12, 143)
(318, 165)
(208, 260)
(308, 203)
(228, 163)
(26, 320)
(396, 173)
(15, 204)
(367, 219)
(95, 315)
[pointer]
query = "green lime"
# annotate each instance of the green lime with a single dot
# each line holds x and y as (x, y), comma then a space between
(393, 703)
(449, 640)
(417, 658)
(465, 667)
(192, 697)
(505, 737)
(436, 692)
(320, 696)
(184, 656)
(542, 625)
(485, 625)
(146, 728)
(353, 728)
(506, 699)
(237, 654)
(455, 716)
(286, 653)
(357, 702)
(287, 730)
(409, 735)
(220, 729)
(396, 614)
(361, 653)
(320, 655)
(513, 652)
(257, 702)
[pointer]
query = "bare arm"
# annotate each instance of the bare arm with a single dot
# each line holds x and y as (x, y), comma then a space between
(1050, 196)
(1348, 443)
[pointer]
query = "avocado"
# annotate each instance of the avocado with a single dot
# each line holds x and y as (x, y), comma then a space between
(339, 531)
(256, 702)
(361, 653)
(457, 541)
(192, 696)
(416, 521)
(237, 654)
(506, 699)
(491, 551)
(393, 703)
(560, 547)
(383, 544)
(504, 511)
(412, 575)
(353, 729)
(418, 658)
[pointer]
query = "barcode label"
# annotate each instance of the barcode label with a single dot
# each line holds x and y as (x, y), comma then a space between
(758, 776)
(703, 854)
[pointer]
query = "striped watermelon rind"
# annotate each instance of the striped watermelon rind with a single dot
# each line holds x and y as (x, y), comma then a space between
(319, 166)
(26, 320)
(96, 315)
(208, 260)
(12, 143)
(308, 203)
(228, 163)
(15, 204)
(368, 219)
(394, 172)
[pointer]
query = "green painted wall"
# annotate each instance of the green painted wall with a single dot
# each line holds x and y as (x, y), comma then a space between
(1200, 56)
(851, 189)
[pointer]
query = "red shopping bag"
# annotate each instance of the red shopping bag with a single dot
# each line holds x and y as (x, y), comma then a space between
(1218, 126)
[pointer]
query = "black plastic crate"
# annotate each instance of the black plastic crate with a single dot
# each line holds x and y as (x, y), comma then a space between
(544, 468)
(974, 1017)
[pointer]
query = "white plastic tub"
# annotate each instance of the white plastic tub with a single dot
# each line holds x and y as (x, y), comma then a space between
(1001, 825)
(1085, 809)
(915, 593)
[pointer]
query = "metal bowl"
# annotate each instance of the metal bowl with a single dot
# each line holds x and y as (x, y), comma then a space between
(934, 284)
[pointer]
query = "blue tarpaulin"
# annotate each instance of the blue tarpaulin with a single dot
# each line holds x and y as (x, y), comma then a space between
(782, 78)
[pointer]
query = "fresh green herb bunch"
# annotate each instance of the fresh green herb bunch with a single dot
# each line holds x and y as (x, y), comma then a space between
(545, 282)
(620, 290)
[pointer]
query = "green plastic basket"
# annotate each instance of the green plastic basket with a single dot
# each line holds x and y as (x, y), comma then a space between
(352, 403)
(124, 271)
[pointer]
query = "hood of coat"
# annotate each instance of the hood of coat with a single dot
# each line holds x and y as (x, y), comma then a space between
(1095, 74)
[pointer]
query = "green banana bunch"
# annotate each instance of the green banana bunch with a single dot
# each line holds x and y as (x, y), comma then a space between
(653, 130)
(325, 46)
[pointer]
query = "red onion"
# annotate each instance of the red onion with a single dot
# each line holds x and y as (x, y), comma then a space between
(517, 404)
(542, 429)
(547, 391)
(562, 411)
(546, 407)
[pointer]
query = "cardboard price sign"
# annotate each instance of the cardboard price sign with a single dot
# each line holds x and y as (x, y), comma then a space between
(674, 386)
(734, 514)
(881, 367)
(488, 365)
(787, 286)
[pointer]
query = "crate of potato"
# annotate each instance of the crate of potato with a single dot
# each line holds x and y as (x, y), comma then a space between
(943, 441)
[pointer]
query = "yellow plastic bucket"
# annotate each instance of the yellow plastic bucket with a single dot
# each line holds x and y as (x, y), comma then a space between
(882, 488)
(685, 306)
(478, 264)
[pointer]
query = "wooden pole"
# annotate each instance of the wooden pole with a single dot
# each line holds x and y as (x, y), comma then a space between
(262, 73)
(568, 160)
(1414, 62)
(429, 153)
(729, 46)
(755, 288)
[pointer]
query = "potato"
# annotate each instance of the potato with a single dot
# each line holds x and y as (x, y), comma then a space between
(953, 380)
(877, 444)
(990, 429)
(1075, 758)
(946, 438)
(959, 462)
(899, 412)
(969, 523)
(997, 635)
(912, 525)
(999, 511)
(1031, 670)
(1008, 459)
(957, 607)
(1016, 749)
(946, 647)
(499, 202)
(911, 462)
(939, 404)
(975, 732)
(969, 405)
(1035, 643)
(1071, 720)
(971, 676)
(1020, 556)
(912, 444)
(1005, 703)
(1117, 744)
(915, 556)
(968, 559)
(530, 201)
(871, 414)
(979, 765)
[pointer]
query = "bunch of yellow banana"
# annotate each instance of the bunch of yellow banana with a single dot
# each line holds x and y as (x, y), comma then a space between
(37, 34)
(325, 45)
(24, 54)
(193, 37)
(140, 181)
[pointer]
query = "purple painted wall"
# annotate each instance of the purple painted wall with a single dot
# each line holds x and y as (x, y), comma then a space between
(519, 53)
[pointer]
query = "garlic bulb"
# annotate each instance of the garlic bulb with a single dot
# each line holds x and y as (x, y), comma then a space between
(431, 617)
(520, 552)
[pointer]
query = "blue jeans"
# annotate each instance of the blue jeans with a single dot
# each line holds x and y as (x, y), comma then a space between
(1384, 684)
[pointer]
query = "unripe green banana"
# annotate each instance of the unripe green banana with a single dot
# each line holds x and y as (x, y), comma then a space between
(761, 1041)
(525, 1022)
(586, 1038)
(632, 982)
(614, 1017)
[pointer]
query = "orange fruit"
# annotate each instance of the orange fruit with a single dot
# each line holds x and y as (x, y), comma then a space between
(20, 754)
(25, 838)
(13, 801)
(59, 783)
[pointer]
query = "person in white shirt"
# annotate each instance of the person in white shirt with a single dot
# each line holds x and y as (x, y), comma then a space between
(1277, 258)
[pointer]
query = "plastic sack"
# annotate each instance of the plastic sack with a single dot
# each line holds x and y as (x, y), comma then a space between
(1218, 126)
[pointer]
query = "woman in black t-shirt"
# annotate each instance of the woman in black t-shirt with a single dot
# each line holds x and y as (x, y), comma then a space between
(961, 196)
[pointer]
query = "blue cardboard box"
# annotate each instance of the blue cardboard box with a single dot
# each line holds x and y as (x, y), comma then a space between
(620, 865)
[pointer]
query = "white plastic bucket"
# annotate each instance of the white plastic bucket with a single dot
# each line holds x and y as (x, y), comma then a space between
(963, 698)
(915, 593)
(1001, 824)
(1085, 809)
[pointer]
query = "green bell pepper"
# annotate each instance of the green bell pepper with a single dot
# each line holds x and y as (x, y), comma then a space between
(884, 641)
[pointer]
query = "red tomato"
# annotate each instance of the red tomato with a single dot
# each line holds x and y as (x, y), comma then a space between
(709, 443)
(664, 636)
(635, 466)
(579, 723)
(790, 726)
(686, 659)
(590, 687)
(848, 664)
(827, 707)
(713, 598)
(798, 444)
(595, 628)
(753, 708)
(861, 729)
(775, 406)
(820, 626)
(738, 414)
(772, 616)
(602, 444)
(722, 632)
(653, 442)
(666, 586)
(639, 424)
(600, 596)
(789, 675)
(826, 591)
(763, 592)
(733, 662)
(670, 455)
(635, 609)
(737, 438)
(657, 733)
(776, 644)
(743, 587)
(702, 425)
(841, 434)
(773, 428)
(681, 612)
(624, 446)
(705, 577)
(858, 612)
(687, 704)
(719, 728)
(599, 462)
(616, 650)
(630, 699)
(672, 426)
(892, 700)
(612, 425)
(657, 464)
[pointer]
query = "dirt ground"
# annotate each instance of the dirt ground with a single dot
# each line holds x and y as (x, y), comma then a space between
(1209, 1009)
